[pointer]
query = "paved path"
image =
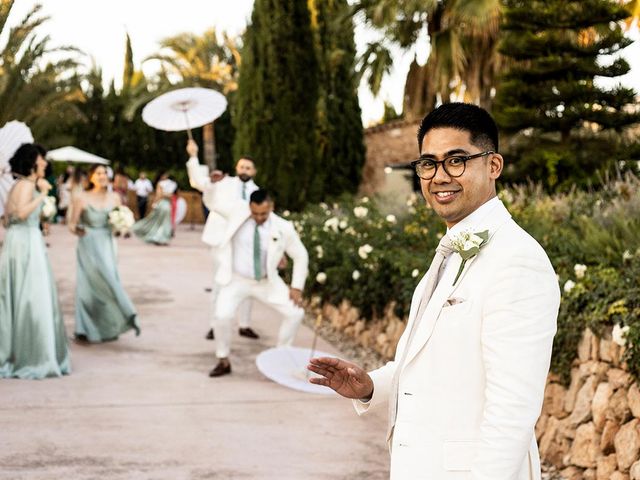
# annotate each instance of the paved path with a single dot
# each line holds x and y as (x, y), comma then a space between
(144, 408)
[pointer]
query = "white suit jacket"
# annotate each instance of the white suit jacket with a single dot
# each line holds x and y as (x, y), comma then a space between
(473, 383)
(283, 239)
(214, 194)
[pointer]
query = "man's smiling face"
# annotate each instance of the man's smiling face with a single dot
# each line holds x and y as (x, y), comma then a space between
(455, 198)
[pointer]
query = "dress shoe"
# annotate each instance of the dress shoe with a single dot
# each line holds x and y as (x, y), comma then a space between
(222, 368)
(248, 332)
(210, 335)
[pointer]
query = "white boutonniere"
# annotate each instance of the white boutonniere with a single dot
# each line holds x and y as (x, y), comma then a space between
(468, 245)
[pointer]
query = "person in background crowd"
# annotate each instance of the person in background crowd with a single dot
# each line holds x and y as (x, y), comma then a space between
(143, 188)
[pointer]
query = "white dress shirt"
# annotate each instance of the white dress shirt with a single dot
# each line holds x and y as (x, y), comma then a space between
(243, 248)
(143, 187)
(248, 186)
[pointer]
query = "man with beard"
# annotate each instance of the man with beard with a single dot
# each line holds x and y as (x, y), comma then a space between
(219, 188)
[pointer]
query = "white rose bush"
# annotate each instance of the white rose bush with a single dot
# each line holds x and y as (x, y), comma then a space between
(371, 256)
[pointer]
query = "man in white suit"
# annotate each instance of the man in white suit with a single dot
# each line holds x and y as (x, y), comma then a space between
(218, 188)
(466, 386)
(250, 247)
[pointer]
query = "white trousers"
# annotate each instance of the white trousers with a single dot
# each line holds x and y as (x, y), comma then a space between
(244, 309)
(240, 289)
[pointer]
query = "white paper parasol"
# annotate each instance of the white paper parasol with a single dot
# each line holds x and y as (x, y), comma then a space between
(73, 154)
(184, 109)
(288, 367)
(12, 135)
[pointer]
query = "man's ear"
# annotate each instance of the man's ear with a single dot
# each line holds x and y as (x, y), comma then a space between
(496, 163)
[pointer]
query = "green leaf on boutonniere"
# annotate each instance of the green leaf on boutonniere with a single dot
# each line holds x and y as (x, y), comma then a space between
(473, 243)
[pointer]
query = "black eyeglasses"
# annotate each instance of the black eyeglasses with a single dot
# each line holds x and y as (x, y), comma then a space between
(454, 166)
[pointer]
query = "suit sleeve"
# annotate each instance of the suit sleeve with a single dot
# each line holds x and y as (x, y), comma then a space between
(298, 253)
(199, 179)
(382, 378)
(518, 324)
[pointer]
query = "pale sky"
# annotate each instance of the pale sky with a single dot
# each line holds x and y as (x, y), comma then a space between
(98, 28)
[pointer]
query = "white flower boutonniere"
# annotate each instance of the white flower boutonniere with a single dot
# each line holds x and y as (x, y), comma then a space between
(468, 245)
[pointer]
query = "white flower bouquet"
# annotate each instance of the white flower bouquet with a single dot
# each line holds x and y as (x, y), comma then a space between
(49, 209)
(121, 220)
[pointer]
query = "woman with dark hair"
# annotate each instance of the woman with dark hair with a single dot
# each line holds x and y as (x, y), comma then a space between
(157, 227)
(103, 308)
(33, 342)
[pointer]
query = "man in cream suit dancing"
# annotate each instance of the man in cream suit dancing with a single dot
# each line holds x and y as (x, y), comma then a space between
(218, 188)
(466, 386)
(250, 247)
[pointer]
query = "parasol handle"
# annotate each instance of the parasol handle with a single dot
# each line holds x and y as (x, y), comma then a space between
(186, 119)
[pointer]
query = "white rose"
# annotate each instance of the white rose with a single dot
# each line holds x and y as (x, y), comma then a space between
(619, 334)
(388, 170)
(580, 270)
(319, 251)
(360, 212)
(415, 273)
(391, 218)
(286, 213)
(321, 278)
(324, 206)
(355, 275)
(343, 224)
(627, 255)
(569, 285)
(364, 199)
(332, 224)
(468, 245)
(364, 251)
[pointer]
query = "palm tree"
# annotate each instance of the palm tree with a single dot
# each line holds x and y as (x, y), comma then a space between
(208, 60)
(33, 90)
(462, 36)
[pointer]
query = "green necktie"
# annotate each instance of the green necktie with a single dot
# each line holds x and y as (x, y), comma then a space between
(257, 260)
(244, 190)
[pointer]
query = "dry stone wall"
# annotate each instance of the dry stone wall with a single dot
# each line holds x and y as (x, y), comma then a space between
(588, 430)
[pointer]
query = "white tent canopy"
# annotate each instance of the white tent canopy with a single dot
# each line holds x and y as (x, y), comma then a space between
(73, 154)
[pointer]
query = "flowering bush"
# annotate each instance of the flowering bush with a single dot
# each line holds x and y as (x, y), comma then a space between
(372, 258)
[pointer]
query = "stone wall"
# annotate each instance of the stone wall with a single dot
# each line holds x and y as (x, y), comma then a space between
(393, 143)
(589, 430)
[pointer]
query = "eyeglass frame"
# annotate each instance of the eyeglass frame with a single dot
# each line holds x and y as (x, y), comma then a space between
(465, 158)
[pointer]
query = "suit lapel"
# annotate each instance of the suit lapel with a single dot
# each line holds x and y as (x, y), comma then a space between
(275, 238)
(446, 288)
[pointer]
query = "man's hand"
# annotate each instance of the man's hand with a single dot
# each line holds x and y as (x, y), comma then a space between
(346, 378)
(282, 264)
(192, 148)
(217, 175)
(295, 295)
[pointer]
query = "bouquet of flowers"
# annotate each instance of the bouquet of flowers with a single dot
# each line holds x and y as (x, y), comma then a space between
(121, 219)
(49, 209)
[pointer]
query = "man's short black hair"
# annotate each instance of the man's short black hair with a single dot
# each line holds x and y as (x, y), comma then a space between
(260, 196)
(247, 157)
(464, 117)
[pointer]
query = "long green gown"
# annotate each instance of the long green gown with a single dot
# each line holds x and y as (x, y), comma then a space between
(103, 309)
(155, 227)
(33, 342)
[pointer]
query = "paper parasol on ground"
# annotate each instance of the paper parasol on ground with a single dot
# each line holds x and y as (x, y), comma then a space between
(12, 135)
(288, 367)
(184, 109)
(73, 154)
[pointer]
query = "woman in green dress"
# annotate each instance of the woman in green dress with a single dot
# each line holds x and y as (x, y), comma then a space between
(33, 342)
(157, 227)
(103, 309)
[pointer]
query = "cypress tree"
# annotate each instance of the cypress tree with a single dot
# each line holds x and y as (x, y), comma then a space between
(275, 111)
(340, 136)
(570, 126)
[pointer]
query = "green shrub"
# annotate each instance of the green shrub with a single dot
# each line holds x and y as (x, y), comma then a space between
(592, 233)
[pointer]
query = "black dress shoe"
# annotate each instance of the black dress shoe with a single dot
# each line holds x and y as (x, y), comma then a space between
(248, 332)
(210, 335)
(223, 368)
